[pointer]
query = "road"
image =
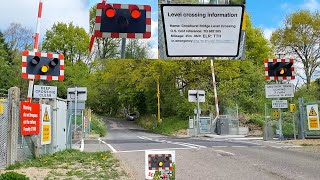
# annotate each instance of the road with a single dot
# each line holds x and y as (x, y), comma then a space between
(203, 158)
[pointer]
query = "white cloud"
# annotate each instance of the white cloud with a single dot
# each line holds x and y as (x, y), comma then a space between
(267, 32)
(154, 39)
(311, 5)
(26, 12)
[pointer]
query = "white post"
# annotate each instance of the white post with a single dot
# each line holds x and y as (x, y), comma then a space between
(75, 108)
(215, 89)
(198, 111)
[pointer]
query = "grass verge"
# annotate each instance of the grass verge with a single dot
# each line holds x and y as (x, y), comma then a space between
(73, 164)
(168, 126)
(98, 126)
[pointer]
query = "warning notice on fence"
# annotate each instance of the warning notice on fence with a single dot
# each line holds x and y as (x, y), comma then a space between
(30, 118)
(202, 30)
(45, 124)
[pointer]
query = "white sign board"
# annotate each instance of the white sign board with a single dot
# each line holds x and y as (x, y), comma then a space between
(192, 95)
(44, 92)
(45, 124)
(81, 93)
(202, 30)
(162, 161)
(282, 104)
(279, 90)
(313, 117)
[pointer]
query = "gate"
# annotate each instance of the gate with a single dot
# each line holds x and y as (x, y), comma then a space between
(4, 131)
(303, 126)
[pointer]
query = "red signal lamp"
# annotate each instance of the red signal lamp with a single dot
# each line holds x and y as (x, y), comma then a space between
(110, 11)
(135, 12)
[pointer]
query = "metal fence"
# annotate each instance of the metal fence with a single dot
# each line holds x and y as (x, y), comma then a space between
(15, 147)
(4, 129)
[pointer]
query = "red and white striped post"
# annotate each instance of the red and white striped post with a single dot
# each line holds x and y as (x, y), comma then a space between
(36, 37)
(35, 47)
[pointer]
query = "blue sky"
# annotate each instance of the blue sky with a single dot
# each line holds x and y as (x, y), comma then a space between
(265, 14)
(270, 14)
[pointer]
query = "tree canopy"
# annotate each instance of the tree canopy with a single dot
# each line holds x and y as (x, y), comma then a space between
(300, 39)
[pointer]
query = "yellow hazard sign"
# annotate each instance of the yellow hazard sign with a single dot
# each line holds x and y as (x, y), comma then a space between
(275, 114)
(1, 106)
(312, 112)
(46, 115)
(313, 118)
(46, 134)
(313, 123)
(293, 108)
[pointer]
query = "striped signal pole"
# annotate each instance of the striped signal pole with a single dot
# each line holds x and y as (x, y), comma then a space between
(36, 37)
(35, 47)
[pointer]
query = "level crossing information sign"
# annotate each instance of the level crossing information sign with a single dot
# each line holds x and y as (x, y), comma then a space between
(214, 30)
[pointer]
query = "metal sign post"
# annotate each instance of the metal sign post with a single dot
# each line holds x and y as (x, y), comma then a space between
(75, 109)
(198, 112)
(280, 121)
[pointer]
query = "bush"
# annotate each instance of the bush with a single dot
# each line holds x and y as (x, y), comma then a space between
(98, 126)
(168, 126)
(257, 119)
(13, 176)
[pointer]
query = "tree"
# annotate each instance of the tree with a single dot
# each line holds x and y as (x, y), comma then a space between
(70, 40)
(18, 38)
(137, 49)
(300, 38)
(5, 65)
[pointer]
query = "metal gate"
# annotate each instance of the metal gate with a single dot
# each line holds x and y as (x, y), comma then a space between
(205, 124)
(304, 131)
(4, 131)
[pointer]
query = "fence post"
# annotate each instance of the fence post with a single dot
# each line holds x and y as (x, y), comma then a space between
(14, 119)
(301, 120)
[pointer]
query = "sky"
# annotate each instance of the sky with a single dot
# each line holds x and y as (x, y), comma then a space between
(270, 14)
(265, 14)
(76, 11)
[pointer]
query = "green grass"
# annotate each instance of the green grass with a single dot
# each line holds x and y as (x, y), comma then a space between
(168, 126)
(73, 163)
(98, 126)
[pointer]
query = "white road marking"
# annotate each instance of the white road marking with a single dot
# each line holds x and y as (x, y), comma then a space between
(147, 138)
(112, 149)
(239, 146)
(194, 145)
(178, 143)
(120, 124)
(246, 142)
(140, 137)
(151, 150)
(170, 142)
(225, 152)
(219, 146)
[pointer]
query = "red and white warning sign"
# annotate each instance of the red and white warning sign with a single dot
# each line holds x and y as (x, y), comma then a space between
(30, 118)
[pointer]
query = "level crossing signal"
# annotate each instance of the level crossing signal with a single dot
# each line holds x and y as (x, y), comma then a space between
(122, 21)
(279, 69)
(44, 66)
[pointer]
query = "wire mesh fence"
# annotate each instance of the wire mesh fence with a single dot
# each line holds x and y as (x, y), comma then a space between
(4, 129)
